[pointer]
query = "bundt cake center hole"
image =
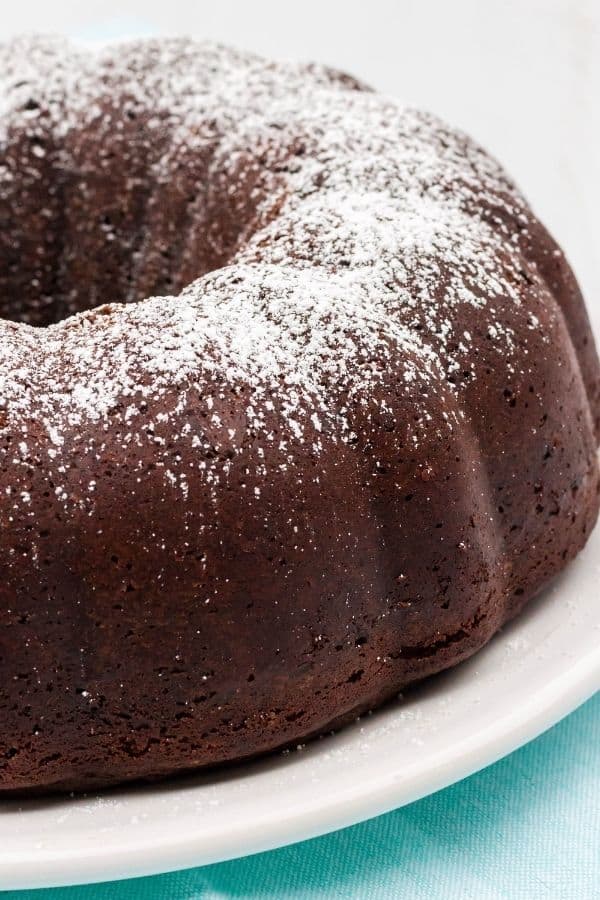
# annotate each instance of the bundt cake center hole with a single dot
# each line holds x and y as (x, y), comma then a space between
(92, 223)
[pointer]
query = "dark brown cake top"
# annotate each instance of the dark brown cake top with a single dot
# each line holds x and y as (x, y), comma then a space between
(368, 238)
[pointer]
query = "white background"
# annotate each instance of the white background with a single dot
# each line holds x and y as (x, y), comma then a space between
(522, 76)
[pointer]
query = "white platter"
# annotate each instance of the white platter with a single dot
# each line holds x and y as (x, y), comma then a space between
(536, 671)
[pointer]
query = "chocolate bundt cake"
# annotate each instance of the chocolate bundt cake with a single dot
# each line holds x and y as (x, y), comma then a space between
(351, 433)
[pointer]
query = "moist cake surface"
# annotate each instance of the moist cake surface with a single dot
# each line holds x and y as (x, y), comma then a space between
(298, 405)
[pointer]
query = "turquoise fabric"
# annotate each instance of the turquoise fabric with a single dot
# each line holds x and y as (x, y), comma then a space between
(527, 828)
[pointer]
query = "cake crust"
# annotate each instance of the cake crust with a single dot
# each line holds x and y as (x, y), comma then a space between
(299, 403)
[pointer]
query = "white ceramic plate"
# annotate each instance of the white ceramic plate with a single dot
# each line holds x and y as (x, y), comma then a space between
(533, 673)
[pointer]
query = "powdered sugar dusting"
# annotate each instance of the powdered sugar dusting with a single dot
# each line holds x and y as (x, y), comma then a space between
(360, 250)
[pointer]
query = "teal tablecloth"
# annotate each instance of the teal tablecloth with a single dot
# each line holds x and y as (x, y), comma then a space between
(526, 828)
